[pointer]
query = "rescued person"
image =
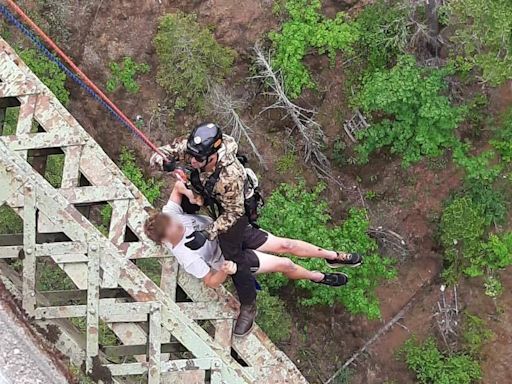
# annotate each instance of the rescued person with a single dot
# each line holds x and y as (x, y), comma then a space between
(172, 228)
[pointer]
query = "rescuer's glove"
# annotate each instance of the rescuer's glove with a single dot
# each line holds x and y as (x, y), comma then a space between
(157, 161)
(169, 165)
(197, 240)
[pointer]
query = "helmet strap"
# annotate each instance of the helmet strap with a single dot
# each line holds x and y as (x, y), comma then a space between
(208, 159)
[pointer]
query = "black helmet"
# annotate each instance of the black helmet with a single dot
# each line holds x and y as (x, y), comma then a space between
(204, 140)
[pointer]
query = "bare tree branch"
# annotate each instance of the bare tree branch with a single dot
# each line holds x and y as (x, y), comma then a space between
(310, 131)
(226, 107)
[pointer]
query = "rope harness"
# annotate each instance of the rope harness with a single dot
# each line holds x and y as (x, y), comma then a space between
(206, 190)
(75, 74)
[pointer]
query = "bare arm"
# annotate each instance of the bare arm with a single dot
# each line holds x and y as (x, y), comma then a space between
(214, 279)
(179, 190)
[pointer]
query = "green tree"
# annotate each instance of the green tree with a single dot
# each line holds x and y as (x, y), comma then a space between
(408, 112)
(384, 35)
(482, 36)
(307, 29)
(190, 59)
(293, 211)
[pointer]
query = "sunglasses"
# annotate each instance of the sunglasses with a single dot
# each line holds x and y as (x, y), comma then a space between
(199, 159)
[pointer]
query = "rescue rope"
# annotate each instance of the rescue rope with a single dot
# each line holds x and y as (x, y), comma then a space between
(74, 73)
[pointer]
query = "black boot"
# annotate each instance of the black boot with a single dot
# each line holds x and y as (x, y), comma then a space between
(245, 321)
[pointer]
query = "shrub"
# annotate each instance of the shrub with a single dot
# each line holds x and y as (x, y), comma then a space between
(54, 169)
(467, 250)
(10, 222)
(491, 201)
(338, 156)
(410, 115)
(50, 277)
(432, 366)
(48, 72)
(293, 211)
(286, 163)
(496, 254)
(479, 169)
(190, 59)
(384, 35)
(304, 30)
(482, 171)
(124, 74)
(10, 121)
(475, 334)
(462, 228)
(503, 140)
(493, 286)
(482, 36)
(149, 187)
(273, 317)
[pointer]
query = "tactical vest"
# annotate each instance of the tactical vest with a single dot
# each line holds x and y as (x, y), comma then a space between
(252, 193)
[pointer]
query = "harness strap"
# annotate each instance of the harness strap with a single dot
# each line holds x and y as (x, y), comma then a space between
(206, 190)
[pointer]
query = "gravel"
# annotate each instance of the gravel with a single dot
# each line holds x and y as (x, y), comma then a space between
(21, 360)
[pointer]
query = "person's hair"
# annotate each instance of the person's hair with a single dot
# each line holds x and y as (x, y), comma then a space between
(155, 226)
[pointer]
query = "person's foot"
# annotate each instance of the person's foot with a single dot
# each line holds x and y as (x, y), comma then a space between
(245, 321)
(345, 260)
(333, 279)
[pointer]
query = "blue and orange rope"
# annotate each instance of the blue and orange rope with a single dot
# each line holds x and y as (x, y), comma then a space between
(73, 71)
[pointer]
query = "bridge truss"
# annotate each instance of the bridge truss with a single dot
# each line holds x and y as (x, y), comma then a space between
(174, 330)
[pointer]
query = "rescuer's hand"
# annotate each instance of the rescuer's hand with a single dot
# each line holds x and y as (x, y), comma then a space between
(169, 165)
(229, 268)
(197, 240)
(157, 161)
(197, 200)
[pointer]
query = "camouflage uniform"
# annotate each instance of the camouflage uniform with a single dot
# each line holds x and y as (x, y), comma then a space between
(232, 223)
(229, 190)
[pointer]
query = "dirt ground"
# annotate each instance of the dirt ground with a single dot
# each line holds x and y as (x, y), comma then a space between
(407, 202)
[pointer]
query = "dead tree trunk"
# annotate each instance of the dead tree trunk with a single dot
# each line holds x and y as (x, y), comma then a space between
(433, 44)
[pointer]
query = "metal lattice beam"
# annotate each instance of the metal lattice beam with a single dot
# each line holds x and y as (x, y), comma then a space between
(147, 314)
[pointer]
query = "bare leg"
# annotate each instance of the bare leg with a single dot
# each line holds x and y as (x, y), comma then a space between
(271, 263)
(299, 248)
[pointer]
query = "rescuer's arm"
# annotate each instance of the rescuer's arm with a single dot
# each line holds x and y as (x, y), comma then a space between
(174, 151)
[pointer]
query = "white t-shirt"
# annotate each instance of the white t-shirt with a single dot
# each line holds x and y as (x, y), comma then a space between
(198, 262)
